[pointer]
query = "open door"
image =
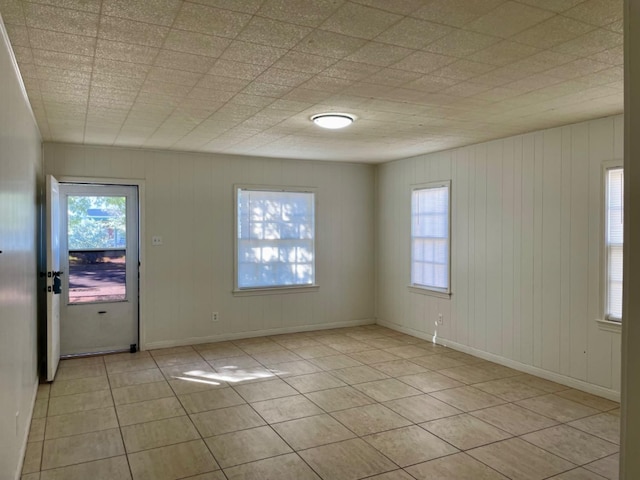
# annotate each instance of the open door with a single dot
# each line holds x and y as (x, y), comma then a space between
(53, 276)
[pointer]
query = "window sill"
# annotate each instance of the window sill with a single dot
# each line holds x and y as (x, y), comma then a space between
(431, 293)
(609, 326)
(275, 290)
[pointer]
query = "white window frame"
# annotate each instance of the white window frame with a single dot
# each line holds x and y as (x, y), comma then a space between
(276, 289)
(607, 322)
(426, 289)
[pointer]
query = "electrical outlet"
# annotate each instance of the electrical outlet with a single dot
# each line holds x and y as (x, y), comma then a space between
(156, 240)
(214, 317)
(440, 319)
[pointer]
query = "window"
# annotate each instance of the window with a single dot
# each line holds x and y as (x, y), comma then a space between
(97, 246)
(614, 228)
(275, 238)
(430, 237)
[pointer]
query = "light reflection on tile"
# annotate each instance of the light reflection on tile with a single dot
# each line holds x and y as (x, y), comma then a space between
(334, 398)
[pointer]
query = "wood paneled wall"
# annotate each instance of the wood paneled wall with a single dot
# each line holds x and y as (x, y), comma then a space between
(189, 202)
(527, 235)
(526, 246)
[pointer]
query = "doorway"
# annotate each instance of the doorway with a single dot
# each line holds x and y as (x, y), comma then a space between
(99, 245)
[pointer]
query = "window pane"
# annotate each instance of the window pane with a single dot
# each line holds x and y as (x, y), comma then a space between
(275, 235)
(614, 239)
(96, 222)
(97, 276)
(430, 237)
(614, 294)
(97, 239)
(615, 192)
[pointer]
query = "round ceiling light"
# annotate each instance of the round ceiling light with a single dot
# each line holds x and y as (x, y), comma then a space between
(333, 120)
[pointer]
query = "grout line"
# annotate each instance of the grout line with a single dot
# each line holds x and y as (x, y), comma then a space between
(81, 463)
(330, 414)
(113, 400)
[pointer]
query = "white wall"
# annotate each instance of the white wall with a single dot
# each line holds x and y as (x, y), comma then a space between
(20, 179)
(526, 251)
(189, 202)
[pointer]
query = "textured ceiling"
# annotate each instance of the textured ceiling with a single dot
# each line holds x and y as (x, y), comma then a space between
(244, 76)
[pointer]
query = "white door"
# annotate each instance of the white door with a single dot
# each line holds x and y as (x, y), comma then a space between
(99, 250)
(53, 276)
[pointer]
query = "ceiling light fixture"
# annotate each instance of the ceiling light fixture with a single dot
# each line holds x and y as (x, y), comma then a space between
(333, 120)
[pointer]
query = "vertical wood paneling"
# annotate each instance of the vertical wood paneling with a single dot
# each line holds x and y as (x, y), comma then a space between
(137, 168)
(395, 267)
(579, 249)
(418, 312)
(221, 247)
(404, 248)
(202, 256)
(551, 247)
(616, 363)
(328, 233)
(384, 252)
(601, 149)
(527, 258)
(446, 308)
(517, 249)
(460, 226)
(272, 311)
(538, 190)
(101, 163)
(295, 312)
(507, 247)
(74, 160)
(187, 220)
(445, 170)
(526, 245)
(451, 323)
(420, 166)
(190, 203)
(565, 253)
(494, 248)
(255, 311)
(480, 283)
(357, 286)
(164, 283)
(471, 272)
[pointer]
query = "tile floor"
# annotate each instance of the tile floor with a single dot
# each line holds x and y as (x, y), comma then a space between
(362, 402)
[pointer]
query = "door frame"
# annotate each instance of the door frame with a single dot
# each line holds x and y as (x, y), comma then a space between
(140, 183)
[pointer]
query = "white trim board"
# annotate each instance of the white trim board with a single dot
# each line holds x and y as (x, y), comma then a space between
(538, 372)
(256, 333)
(14, 63)
(25, 441)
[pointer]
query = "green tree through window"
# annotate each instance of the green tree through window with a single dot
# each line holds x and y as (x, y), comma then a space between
(96, 222)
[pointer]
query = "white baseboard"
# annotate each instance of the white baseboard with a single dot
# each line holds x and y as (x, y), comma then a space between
(522, 367)
(25, 439)
(255, 333)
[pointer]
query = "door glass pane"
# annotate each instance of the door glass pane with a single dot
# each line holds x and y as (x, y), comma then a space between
(97, 242)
